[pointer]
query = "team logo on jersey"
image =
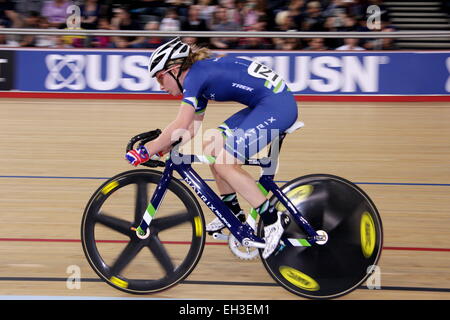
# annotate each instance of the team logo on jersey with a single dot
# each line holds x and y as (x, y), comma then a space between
(241, 86)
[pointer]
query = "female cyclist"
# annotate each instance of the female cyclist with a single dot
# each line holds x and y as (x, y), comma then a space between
(270, 110)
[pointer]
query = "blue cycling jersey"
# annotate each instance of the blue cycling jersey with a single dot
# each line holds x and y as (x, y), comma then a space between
(271, 107)
(230, 79)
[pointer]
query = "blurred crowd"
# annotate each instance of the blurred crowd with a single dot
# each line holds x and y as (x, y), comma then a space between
(201, 15)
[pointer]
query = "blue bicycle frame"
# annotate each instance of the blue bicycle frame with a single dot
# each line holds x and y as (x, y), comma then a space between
(243, 232)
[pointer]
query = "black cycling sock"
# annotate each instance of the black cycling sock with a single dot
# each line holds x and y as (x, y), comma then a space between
(232, 203)
(267, 213)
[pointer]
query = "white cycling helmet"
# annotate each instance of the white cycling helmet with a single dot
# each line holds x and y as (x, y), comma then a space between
(172, 50)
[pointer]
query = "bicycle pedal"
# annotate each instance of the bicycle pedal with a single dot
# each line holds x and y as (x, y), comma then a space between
(219, 236)
(211, 233)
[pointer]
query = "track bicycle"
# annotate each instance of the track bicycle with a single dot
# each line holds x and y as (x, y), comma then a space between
(157, 227)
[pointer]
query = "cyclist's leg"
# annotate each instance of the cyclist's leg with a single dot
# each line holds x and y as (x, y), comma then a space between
(248, 132)
(217, 141)
(213, 146)
(257, 130)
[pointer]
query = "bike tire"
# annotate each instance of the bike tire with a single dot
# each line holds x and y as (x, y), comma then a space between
(355, 238)
(175, 243)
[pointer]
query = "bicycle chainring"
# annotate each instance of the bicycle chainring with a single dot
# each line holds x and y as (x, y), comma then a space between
(240, 251)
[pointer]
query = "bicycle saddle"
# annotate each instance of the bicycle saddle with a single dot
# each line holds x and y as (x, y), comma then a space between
(297, 125)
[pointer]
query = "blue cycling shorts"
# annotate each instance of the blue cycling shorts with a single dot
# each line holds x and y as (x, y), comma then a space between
(249, 130)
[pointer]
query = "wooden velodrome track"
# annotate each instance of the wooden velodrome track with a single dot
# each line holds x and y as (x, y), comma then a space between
(55, 153)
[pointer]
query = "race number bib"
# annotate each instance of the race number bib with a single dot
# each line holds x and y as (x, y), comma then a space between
(273, 80)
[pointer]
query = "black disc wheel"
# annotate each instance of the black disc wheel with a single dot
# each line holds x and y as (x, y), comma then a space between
(119, 256)
(355, 237)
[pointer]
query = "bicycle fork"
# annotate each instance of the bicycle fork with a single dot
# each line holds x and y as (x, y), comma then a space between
(143, 231)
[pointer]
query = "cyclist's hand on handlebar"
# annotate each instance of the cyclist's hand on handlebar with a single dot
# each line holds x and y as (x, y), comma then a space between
(137, 156)
(140, 155)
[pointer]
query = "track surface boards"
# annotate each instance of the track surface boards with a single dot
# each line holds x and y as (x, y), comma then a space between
(55, 153)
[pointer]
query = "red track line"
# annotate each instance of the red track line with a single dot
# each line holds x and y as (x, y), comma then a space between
(99, 241)
(186, 242)
(417, 249)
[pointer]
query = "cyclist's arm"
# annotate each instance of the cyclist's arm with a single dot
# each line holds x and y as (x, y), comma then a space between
(183, 126)
(195, 125)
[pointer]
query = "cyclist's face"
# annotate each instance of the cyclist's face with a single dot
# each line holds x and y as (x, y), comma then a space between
(167, 81)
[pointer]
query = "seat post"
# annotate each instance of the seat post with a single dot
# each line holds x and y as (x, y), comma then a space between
(277, 141)
(273, 156)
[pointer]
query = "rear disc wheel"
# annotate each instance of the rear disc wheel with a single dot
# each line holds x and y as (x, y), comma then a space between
(353, 225)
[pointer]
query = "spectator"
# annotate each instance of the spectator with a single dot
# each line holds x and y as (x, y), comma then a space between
(3, 39)
(349, 23)
(330, 25)
(123, 21)
(350, 44)
(316, 44)
(25, 7)
(6, 41)
(256, 43)
(383, 43)
(31, 21)
(314, 20)
(206, 11)
(47, 41)
(233, 13)
(101, 41)
(195, 23)
(90, 13)
(8, 15)
(181, 7)
(250, 13)
(60, 43)
(336, 8)
(201, 15)
(296, 11)
(171, 21)
(356, 8)
(155, 8)
(153, 42)
(273, 7)
(221, 22)
(285, 22)
(56, 12)
(288, 44)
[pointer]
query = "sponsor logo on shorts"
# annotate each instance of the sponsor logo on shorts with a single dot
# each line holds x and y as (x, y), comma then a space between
(254, 131)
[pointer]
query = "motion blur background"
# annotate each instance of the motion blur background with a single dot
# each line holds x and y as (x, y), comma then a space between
(376, 109)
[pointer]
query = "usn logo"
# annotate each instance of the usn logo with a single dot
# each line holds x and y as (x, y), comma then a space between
(74, 80)
(128, 72)
(326, 74)
(97, 72)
